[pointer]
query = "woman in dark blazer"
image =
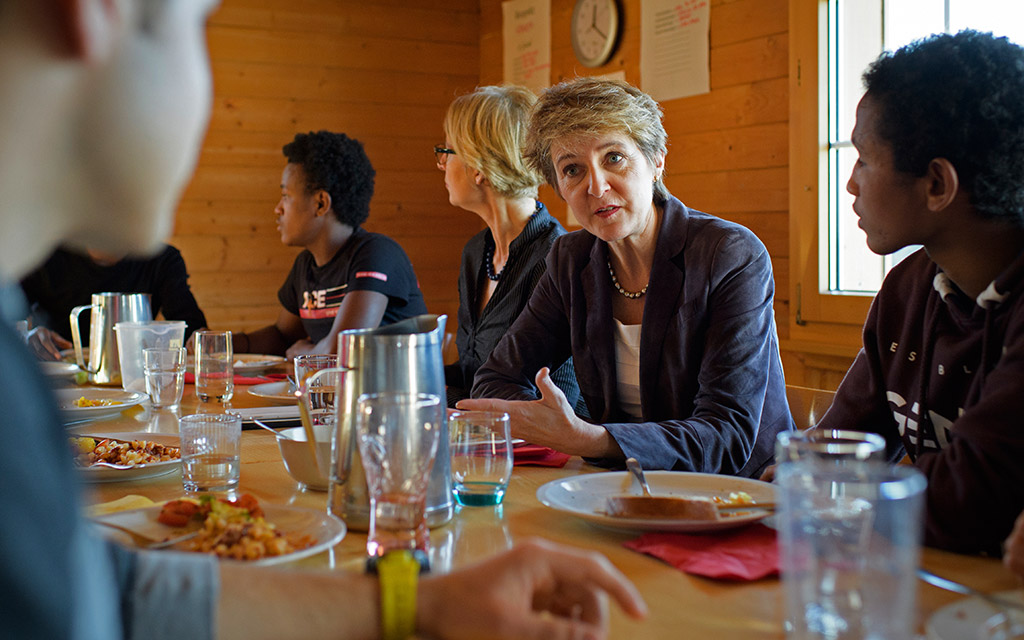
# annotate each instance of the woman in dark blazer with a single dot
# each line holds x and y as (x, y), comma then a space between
(666, 311)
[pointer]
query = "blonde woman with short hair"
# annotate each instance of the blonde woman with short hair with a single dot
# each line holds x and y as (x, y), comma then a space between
(485, 172)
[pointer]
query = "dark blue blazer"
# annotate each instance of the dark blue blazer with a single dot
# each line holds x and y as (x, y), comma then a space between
(713, 394)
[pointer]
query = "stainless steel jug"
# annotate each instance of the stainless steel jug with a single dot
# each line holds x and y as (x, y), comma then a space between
(404, 356)
(107, 310)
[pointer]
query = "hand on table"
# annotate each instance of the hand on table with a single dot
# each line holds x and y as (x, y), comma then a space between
(301, 347)
(550, 421)
(1013, 548)
(46, 344)
(537, 590)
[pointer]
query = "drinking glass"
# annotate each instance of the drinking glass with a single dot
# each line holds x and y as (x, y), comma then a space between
(214, 366)
(211, 451)
(830, 446)
(481, 450)
(164, 369)
(849, 542)
(398, 436)
(318, 389)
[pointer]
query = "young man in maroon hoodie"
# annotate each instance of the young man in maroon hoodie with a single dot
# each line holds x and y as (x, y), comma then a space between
(940, 137)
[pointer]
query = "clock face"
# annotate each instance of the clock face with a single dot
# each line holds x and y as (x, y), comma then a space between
(595, 27)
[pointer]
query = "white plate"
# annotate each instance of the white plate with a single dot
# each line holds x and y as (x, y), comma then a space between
(965, 619)
(255, 362)
(71, 413)
(325, 529)
(585, 496)
(247, 363)
(277, 391)
(137, 472)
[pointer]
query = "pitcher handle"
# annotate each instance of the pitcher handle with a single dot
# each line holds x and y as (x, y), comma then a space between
(76, 335)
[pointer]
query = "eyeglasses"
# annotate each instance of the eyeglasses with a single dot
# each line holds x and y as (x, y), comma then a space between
(441, 154)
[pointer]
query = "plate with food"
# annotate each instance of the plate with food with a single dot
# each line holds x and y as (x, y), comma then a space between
(973, 618)
(282, 392)
(241, 530)
(90, 403)
(125, 456)
(596, 497)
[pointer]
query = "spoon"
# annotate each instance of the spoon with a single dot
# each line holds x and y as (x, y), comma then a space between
(634, 467)
(272, 430)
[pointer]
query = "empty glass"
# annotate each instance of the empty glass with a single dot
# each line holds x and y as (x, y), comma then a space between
(214, 366)
(398, 436)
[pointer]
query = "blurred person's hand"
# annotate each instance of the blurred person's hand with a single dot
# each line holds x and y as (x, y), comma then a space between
(46, 344)
(537, 590)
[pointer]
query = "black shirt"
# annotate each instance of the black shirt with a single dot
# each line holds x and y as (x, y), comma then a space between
(68, 279)
(366, 262)
(479, 334)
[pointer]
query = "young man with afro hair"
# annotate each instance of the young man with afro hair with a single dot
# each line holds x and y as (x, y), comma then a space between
(346, 277)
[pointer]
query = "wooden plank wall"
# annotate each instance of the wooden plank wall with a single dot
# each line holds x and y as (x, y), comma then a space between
(382, 71)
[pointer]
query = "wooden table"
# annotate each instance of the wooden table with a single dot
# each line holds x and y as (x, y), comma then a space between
(681, 605)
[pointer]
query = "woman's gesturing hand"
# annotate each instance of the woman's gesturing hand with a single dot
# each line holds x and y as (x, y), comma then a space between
(550, 421)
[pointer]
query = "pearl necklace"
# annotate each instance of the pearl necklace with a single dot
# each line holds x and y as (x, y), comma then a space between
(632, 295)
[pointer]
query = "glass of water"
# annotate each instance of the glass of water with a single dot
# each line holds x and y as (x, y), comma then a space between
(214, 366)
(481, 450)
(211, 451)
(164, 369)
(398, 437)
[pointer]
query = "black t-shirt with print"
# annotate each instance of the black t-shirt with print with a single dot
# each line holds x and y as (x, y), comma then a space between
(367, 262)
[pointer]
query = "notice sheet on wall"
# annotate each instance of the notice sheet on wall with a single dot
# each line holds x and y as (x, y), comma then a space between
(526, 42)
(674, 48)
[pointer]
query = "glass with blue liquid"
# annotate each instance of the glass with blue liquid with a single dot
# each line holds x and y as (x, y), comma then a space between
(481, 453)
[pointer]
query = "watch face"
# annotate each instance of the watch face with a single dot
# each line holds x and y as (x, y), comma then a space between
(595, 27)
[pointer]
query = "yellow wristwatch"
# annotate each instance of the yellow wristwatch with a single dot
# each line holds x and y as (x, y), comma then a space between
(398, 572)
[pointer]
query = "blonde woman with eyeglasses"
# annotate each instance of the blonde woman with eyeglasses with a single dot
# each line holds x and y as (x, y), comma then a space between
(485, 173)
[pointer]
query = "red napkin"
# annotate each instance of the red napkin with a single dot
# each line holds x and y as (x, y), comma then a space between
(746, 553)
(538, 456)
(190, 378)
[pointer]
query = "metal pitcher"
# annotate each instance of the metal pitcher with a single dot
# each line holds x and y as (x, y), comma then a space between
(404, 356)
(107, 310)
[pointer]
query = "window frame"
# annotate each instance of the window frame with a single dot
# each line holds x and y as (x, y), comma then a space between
(813, 306)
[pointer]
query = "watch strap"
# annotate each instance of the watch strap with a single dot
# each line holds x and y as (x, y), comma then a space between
(398, 572)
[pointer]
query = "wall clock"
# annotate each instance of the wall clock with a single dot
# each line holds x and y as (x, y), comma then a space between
(595, 31)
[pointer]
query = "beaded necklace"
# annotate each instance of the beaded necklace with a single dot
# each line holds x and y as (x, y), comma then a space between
(489, 252)
(632, 295)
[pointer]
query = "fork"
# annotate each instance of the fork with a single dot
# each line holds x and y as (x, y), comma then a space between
(998, 603)
(145, 542)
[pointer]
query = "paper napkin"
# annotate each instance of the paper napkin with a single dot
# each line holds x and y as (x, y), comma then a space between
(538, 456)
(746, 553)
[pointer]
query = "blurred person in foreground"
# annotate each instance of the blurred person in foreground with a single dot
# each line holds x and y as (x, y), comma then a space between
(87, 76)
(485, 172)
(666, 311)
(345, 277)
(68, 279)
(940, 138)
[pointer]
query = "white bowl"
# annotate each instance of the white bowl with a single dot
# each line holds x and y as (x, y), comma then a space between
(299, 461)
